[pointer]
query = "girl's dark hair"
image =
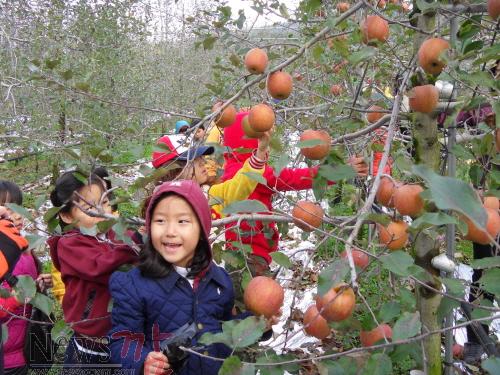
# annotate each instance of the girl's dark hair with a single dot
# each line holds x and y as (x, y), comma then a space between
(68, 184)
(152, 264)
(10, 193)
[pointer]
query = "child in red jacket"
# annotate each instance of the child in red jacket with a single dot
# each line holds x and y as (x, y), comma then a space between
(263, 237)
(86, 263)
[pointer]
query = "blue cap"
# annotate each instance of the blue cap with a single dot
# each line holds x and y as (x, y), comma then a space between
(181, 124)
(195, 152)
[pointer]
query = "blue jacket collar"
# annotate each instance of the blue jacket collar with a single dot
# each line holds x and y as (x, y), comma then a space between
(213, 273)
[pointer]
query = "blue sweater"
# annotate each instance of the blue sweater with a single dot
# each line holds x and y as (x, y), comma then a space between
(149, 309)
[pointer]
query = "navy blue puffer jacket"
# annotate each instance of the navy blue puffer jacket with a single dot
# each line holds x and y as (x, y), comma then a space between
(145, 309)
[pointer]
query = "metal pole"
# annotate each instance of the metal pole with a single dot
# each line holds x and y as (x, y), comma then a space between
(450, 228)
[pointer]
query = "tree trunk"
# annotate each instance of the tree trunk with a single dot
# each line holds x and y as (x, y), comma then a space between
(427, 152)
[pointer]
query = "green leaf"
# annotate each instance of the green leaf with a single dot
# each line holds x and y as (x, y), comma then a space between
(281, 163)
(445, 307)
(231, 366)
(82, 86)
(224, 337)
(61, 331)
(491, 281)
(492, 365)
(309, 143)
(256, 177)
(341, 366)
(208, 42)
(407, 326)
(235, 60)
(454, 287)
(20, 210)
(452, 194)
(363, 54)
(92, 231)
(67, 75)
(397, 262)
(472, 46)
(424, 5)
(317, 52)
(35, 240)
(433, 219)
(284, 11)
(337, 173)
(233, 259)
(378, 364)
(311, 5)
(282, 259)
(248, 331)
(5, 333)
(120, 229)
(489, 262)
(44, 303)
(246, 206)
(25, 287)
(332, 275)
(377, 218)
(389, 311)
(4, 293)
(277, 369)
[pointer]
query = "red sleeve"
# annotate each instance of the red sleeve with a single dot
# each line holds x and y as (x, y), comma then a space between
(89, 259)
(8, 304)
(294, 179)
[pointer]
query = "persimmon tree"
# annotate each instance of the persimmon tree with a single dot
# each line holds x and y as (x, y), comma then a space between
(366, 74)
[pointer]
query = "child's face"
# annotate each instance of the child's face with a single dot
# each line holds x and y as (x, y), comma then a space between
(175, 230)
(16, 219)
(200, 133)
(91, 194)
(200, 171)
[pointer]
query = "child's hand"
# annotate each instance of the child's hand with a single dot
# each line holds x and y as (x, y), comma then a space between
(263, 148)
(156, 363)
(44, 281)
(359, 165)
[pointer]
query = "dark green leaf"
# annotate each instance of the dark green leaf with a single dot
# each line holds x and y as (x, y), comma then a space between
(25, 287)
(454, 287)
(248, 331)
(389, 311)
(311, 5)
(317, 52)
(44, 303)
(35, 240)
(363, 54)
(235, 60)
(445, 307)
(341, 366)
(233, 259)
(231, 366)
(281, 259)
(246, 206)
(424, 5)
(489, 262)
(397, 262)
(224, 337)
(67, 75)
(378, 218)
(332, 275)
(337, 173)
(61, 331)
(4, 293)
(433, 219)
(378, 364)
(452, 194)
(491, 280)
(277, 369)
(281, 163)
(472, 46)
(5, 333)
(256, 177)
(208, 42)
(492, 365)
(20, 210)
(309, 143)
(407, 326)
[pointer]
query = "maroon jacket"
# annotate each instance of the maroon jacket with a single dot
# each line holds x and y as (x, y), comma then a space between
(86, 264)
